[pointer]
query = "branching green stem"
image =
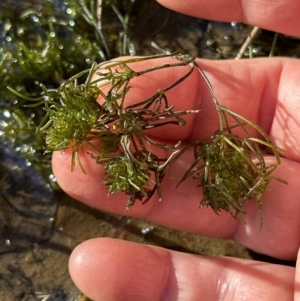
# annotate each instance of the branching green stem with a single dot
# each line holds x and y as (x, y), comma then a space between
(229, 166)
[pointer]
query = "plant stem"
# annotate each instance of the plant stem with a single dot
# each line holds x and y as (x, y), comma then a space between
(249, 39)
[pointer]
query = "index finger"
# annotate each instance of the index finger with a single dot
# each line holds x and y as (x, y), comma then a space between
(256, 89)
(275, 15)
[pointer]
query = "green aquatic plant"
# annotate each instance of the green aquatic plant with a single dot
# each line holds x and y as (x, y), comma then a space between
(50, 42)
(35, 45)
(231, 169)
(90, 109)
(230, 165)
(115, 132)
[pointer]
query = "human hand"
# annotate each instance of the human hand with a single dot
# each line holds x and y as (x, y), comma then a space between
(265, 91)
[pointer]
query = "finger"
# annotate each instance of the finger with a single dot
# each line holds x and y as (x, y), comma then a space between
(297, 279)
(146, 86)
(179, 207)
(108, 269)
(258, 94)
(276, 15)
(265, 91)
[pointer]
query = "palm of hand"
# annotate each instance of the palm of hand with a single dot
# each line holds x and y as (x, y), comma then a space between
(134, 272)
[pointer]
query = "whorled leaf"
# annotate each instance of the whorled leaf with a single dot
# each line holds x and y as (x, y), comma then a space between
(231, 168)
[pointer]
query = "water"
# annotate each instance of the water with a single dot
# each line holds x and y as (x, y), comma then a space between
(27, 203)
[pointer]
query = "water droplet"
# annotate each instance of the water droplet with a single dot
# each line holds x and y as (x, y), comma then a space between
(52, 34)
(7, 26)
(69, 11)
(20, 31)
(7, 242)
(147, 229)
(228, 37)
(3, 123)
(52, 178)
(6, 113)
(72, 23)
(8, 39)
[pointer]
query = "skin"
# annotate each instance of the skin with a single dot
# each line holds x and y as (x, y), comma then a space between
(266, 91)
